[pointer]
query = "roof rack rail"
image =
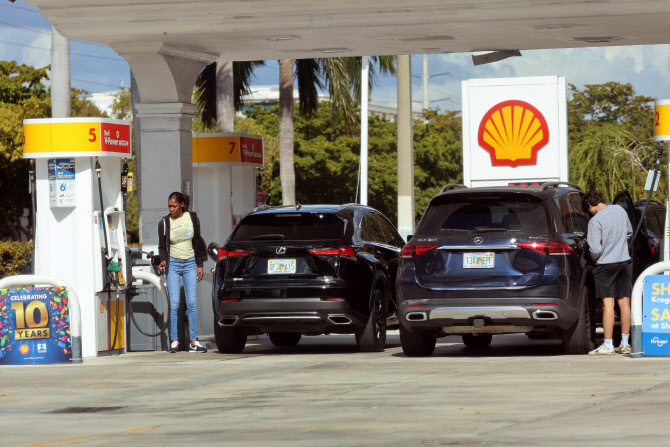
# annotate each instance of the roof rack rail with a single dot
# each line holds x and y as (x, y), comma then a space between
(546, 185)
(348, 205)
(446, 188)
(261, 208)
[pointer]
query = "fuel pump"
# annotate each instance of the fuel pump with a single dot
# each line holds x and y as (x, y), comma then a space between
(80, 234)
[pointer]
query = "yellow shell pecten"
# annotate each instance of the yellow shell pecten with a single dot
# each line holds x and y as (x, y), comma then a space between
(512, 132)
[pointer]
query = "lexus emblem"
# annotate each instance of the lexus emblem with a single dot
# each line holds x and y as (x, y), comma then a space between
(280, 250)
(479, 240)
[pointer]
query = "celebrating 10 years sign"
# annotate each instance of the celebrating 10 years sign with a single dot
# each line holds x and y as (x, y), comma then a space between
(34, 326)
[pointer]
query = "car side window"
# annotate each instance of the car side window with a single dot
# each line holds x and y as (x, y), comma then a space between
(364, 232)
(391, 236)
(373, 229)
(564, 208)
(580, 220)
(652, 223)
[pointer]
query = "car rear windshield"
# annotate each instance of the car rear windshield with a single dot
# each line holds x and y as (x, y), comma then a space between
(290, 227)
(485, 213)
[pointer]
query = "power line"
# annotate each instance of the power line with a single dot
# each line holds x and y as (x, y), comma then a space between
(48, 33)
(94, 82)
(72, 53)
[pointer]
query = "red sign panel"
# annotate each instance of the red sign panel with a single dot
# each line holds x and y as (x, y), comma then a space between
(251, 150)
(115, 138)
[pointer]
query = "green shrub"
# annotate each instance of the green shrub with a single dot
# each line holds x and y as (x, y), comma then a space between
(12, 256)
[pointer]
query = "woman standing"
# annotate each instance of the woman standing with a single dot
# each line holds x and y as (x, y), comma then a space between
(182, 252)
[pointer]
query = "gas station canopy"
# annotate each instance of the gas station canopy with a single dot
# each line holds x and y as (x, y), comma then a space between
(293, 29)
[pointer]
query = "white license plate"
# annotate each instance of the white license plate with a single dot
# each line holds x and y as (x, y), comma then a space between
(478, 260)
(281, 266)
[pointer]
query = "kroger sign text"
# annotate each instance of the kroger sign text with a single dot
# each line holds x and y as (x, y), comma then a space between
(660, 317)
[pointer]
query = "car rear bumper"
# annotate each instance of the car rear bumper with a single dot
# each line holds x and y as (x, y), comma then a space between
(305, 315)
(490, 315)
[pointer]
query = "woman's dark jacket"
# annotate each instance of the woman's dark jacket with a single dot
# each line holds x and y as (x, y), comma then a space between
(197, 241)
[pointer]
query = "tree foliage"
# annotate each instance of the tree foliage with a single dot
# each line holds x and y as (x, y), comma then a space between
(611, 140)
(23, 95)
(327, 157)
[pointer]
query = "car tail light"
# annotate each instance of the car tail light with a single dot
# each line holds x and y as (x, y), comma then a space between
(232, 300)
(653, 245)
(412, 251)
(415, 305)
(332, 299)
(545, 304)
(547, 248)
(346, 251)
(223, 253)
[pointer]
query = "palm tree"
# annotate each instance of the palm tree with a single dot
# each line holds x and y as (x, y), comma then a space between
(205, 88)
(341, 77)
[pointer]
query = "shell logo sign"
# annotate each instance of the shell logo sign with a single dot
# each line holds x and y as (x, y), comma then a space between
(515, 131)
(512, 132)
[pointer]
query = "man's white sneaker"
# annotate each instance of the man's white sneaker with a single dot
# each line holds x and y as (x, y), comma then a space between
(174, 347)
(197, 347)
(623, 349)
(602, 350)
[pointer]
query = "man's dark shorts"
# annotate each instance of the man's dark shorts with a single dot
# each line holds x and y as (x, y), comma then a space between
(613, 280)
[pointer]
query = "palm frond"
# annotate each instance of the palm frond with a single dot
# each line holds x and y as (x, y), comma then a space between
(205, 94)
(242, 75)
(307, 73)
(336, 73)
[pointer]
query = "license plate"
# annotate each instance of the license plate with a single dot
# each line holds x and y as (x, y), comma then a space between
(478, 260)
(281, 266)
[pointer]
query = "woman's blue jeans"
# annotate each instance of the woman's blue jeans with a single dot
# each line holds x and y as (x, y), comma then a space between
(186, 270)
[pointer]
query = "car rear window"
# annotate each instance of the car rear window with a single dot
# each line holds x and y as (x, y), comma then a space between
(478, 214)
(289, 227)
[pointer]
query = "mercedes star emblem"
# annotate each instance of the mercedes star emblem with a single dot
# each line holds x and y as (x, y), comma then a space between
(280, 250)
(479, 240)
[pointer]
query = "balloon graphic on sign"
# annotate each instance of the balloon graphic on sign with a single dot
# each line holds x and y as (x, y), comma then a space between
(512, 132)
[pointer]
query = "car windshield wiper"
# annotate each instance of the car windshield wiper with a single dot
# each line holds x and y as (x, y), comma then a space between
(280, 237)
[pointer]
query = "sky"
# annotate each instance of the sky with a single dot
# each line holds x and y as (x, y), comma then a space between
(25, 37)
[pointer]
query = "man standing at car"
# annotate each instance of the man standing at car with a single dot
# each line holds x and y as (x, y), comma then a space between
(608, 233)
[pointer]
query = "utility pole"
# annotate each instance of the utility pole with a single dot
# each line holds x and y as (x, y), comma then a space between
(405, 149)
(426, 100)
(365, 68)
(60, 75)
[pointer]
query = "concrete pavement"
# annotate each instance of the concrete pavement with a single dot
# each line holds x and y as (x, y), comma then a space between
(323, 392)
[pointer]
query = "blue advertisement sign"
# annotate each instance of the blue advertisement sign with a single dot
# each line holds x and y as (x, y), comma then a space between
(656, 315)
(34, 326)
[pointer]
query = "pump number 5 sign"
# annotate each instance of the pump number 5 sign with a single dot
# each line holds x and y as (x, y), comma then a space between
(34, 326)
(47, 138)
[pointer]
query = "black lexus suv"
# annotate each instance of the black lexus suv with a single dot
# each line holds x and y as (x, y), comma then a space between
(498, 260)
(306, 270)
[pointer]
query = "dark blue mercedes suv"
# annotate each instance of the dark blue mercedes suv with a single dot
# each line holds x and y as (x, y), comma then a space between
(498, 260)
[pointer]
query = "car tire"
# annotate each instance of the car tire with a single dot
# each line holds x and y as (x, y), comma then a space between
(229, 340)
(481, 341)
(579, 339)
(373, 337)
(417, 343)
(285, 338)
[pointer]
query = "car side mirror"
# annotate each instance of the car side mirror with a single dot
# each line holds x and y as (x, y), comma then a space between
(213, 251)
